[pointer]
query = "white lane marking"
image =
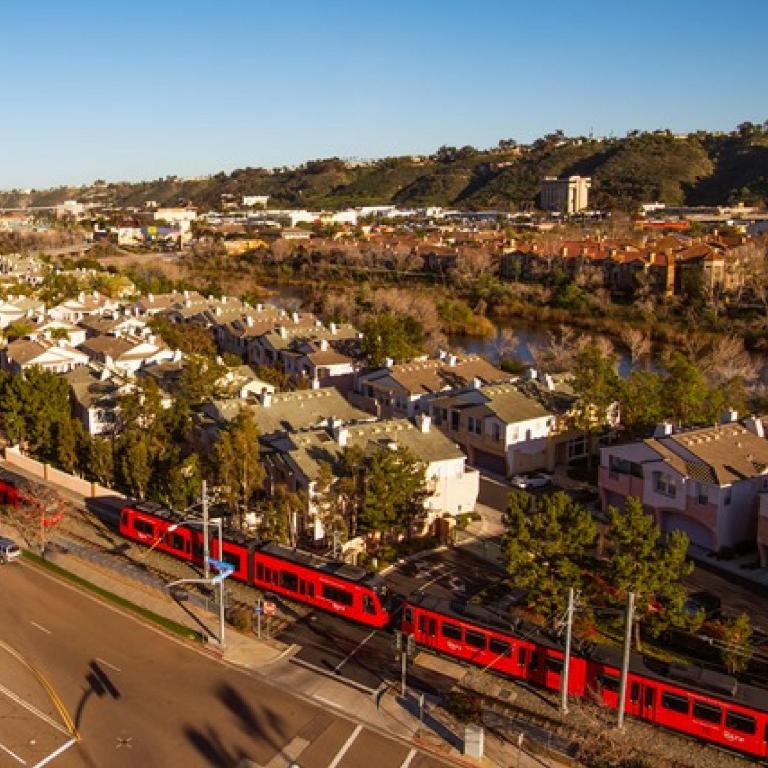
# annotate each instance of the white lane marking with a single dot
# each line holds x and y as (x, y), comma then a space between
(34, 710)
(347, 744)
(354, 651)
(107, 664)
(430, 582)
(40, 627)
(408, 759)
(55, 753)
(12, 754)
(327, 701)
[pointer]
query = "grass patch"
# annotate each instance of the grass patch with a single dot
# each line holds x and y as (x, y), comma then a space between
(167, 624)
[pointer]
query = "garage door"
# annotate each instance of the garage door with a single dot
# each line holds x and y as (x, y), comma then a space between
(490, 462)
(696, 532)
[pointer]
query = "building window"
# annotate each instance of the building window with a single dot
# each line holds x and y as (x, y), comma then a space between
(474, 425)
(701, 492)
(727, 497)
(496, 432)
(665, 484)
(577, 447)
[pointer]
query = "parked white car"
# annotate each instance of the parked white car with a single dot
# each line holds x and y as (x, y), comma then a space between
(9, 550)
(532, 482)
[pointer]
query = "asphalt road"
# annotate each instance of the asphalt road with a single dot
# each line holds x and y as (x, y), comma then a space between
(142, 699)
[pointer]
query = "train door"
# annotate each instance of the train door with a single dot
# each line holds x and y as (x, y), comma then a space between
(427, 626)
(648, 702)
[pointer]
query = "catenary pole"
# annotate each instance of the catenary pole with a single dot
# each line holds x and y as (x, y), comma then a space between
(625, 659)
(567, 657)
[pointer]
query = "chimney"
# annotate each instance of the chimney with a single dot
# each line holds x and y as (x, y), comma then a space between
(259, 307)
(663, 429)
(341, 435)
(452, 360)
(531, 374)
(295, 317)
(729, 416)
(151, 338)
(424, 422)
(186, 294)
(266, 399)
(283, 331)
(323, 345)
(549, 382)
(754, 424)
(476, 383)
(442, 354)
(249, 321)
(218, 311)
(334, 328)
(388, 362)
(151, 298)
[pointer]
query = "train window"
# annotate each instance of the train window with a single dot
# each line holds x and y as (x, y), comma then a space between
(475, 639)
(634, 693)
(368, 605)
(675, 703)
(739, 722)
(336, 595)
(174, 540)
(521, 657)
(260, 571)
(554, 665)
(142, 526)
(290, 581)
(707, 712)
(408, 615)
(311, 589)
(267, 574)
(123, 515)
(232, 559)
(432, 631)
(500, 648)
(534, 660)
(453, 631)
(650, 696)
(422, 624)
(609, 683)
(197, 548)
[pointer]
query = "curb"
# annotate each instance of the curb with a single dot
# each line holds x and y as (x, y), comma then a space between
(333, 676)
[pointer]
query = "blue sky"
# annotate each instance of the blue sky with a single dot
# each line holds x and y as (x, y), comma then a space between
(100, 90)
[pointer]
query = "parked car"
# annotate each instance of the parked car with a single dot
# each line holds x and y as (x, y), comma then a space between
(703, 601)
(531, 482)
(9, 550)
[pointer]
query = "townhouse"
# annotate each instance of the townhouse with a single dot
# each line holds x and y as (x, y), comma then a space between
(506, 429)
(57, 357)
(95, 395)
(83, 305)
(15, 309)
(406, 389)
(125, 354)
(295, 460)
(704, 482)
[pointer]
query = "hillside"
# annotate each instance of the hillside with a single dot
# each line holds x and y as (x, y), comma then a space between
(699, 169)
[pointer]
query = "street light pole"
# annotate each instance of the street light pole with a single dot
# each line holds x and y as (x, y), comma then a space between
(221, 585)
(206, 549)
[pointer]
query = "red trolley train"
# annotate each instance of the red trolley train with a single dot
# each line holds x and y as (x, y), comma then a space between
(702, 703)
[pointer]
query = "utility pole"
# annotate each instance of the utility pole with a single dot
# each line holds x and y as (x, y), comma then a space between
(221, 582)
(567, 657)
(206, 549)
(625, 660)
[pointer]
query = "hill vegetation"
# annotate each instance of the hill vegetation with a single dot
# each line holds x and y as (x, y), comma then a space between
(694, 169)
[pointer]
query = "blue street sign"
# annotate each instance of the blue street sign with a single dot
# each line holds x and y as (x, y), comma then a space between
(257, 609)
(224, 569)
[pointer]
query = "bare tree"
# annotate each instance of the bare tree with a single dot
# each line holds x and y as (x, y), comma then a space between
(505, 343)
(727, 360)
(638, 342)
(36, 513)
(559, 350)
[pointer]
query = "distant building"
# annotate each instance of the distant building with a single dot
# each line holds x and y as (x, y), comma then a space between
(255, 201)
(568, 195)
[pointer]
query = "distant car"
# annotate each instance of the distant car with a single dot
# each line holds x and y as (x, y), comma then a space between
(9, 550)
(531, 482)
(703, 601)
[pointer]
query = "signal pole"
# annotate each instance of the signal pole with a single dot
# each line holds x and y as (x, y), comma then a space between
(625, 660)
(567, 658)
(206, 549)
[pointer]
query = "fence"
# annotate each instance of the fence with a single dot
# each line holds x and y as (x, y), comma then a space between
(64, 480)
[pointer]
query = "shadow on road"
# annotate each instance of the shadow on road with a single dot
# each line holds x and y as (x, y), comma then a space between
(264, 725)
(100, 685)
